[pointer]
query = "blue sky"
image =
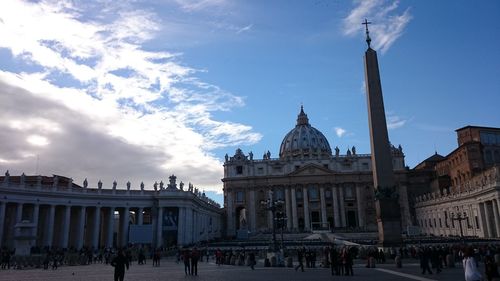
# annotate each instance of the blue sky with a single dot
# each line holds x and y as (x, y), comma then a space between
(140, 90)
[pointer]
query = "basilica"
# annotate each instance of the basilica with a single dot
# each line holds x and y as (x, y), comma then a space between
(314, 188)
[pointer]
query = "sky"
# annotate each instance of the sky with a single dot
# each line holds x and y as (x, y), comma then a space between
(140, 90)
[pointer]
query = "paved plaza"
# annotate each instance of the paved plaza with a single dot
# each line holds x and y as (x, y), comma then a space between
(169, 270)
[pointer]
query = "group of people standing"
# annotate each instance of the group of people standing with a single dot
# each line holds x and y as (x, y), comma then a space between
(190, 259)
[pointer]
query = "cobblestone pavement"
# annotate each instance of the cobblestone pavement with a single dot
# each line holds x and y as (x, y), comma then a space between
(170, 270)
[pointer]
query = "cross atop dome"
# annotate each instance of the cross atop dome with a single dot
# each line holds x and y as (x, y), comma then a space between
(302, 117)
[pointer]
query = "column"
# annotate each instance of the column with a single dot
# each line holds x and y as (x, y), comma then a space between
(97, 226)
(251, 211)
(124, 227)
(323, 206)
(111, 227)
(295, 220)
(496, 215)
(288, 207)
(67, 221)
(189, 226)
(230, 215)
(336, 216)
(307, 222)
(181, 226)
(483, 219)
(36, 214)
(19, 212)
(50, 226)
(140, 216)
(269, 212)
(342, 208)
(488, 219)
(159, 228)
(361, 206)
(81, 228)
(2, 220)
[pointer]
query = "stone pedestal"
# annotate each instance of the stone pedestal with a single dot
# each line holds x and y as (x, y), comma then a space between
(24, 237)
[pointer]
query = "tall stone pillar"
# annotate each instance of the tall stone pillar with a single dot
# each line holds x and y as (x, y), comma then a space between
(67, 221)
(140, 216)
(111, 227)
(19, 212)
(50, 226)
(307, 221)
(124, 226)
(96, 228)
(295, 220)
(483, 219)
(488, 212)
(251, 211)
(342, 207)
(496, 216)
(231, 231)
(361, 206)
(159, 228)
(335, 205)
(81, 228)
(189, 225)
(181, 226)
(386, 204)
(3, 205)
(323, 206)
(288, 209)
(36, 214)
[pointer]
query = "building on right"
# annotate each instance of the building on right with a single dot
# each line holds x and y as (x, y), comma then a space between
(465, 190)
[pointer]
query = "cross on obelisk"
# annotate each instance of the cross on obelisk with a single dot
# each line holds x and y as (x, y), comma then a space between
(368, 39)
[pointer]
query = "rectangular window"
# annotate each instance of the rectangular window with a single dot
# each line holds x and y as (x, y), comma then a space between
(240, 196)
(313, 194)
(239, 170)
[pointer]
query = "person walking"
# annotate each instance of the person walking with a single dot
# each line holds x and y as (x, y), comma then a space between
(119, 263)
(195, 256)
(186, 258)
(470, 266)
(491, 269)
(424, 260)
(251, 260)
(300, 258)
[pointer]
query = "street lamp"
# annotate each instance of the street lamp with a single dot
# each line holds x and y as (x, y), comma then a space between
(459, 218)
(272, 205)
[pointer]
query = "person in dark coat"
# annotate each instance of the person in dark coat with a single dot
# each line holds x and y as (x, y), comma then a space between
(251, 260)
(119, 263)
(300, 258)
(424, 256)
(195, 256)
(186, 258)
(334, 261)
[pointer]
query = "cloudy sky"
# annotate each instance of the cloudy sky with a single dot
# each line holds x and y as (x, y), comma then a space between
(139, 90)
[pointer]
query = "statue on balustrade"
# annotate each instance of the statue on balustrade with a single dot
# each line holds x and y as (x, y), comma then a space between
(128, 185)
(85, 183)
(181, 185)
(99, 184)
(23, 179)
(142, 185)
(155, 185)
(114, 184)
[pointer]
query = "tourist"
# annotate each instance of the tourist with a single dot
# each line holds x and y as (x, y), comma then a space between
(300, 258)
(186, 258)
(491, 269)
(251, 260)
(424, 256)
(119, 263)
(470, 266)
(195, 256)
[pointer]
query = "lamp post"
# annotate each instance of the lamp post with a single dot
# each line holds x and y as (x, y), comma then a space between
(272, 205)
(459, 218)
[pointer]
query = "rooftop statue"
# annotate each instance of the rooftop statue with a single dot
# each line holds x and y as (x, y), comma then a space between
(114, 184)
(161, 185)
(142, 185)
(181, 185)
(99, 184)
(128, 185)
(85, 183)
(155, 185)
(23, 179)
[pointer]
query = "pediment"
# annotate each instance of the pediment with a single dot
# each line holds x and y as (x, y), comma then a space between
(311, 170)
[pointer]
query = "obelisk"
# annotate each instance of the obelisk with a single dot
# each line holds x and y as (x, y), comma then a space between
(386, 192)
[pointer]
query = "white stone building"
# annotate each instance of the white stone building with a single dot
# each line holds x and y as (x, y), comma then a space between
(320, 190)
(471, 210)
(57, 212)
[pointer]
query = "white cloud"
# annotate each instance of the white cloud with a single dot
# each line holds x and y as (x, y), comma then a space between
(388, 23)
(340, 131)
(109, 96)
(395, 122)
(245, 28)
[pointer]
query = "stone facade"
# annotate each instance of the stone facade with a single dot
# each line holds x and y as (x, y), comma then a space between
(68, 215)
(320, 190)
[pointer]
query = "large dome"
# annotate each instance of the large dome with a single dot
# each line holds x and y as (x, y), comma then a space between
(304, 141)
